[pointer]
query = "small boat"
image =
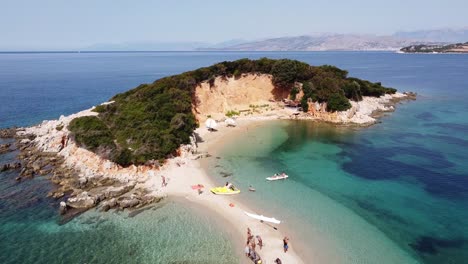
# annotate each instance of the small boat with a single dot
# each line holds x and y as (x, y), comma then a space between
(224, 190)
(276, 177)
(252, 189)
(263, 218)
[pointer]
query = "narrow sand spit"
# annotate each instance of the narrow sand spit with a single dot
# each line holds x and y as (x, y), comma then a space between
(183, 172)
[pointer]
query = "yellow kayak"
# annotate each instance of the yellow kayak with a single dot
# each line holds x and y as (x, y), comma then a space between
(224, 190)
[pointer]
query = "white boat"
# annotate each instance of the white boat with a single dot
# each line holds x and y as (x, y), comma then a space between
(278, 177)
(263, 218)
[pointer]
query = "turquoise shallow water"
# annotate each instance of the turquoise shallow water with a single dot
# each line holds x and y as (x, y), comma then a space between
(392, 193)
(169, 232)
(385, 194)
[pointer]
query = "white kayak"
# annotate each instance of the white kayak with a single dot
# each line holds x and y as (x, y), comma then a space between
(278, 177)
(263, 218)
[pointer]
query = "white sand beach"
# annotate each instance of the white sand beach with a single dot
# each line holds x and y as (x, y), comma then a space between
(190, 172)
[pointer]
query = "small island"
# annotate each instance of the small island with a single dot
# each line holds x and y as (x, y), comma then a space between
(119, 154)
(450, 48)
(151, 121)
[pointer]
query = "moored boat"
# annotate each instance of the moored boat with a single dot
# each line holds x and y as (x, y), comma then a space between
(277, 176)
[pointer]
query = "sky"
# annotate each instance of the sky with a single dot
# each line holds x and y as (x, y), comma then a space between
(62, 24)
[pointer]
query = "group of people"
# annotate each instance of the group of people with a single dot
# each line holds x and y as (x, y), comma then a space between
(253, 241)
(250, 247)
(279, 175)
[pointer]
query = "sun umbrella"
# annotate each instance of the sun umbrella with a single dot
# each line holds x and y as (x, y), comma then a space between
(230, 122)
(211, 124)
(198, 186)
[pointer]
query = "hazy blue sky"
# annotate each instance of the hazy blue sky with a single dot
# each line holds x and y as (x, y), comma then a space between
(72, 24)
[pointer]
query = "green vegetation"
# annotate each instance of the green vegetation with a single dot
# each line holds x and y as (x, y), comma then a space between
(232, 113)
(151, 121)
(91, 133)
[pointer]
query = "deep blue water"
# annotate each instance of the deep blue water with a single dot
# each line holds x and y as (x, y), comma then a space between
(407, 176)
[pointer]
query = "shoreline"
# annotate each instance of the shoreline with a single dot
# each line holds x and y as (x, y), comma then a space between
(87, 181)
(194, 172)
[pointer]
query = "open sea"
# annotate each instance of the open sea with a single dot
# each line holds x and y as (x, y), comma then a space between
(395, 192)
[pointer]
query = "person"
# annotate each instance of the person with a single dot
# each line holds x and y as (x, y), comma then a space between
(247, 250)
(277, 261)
(163, 181)
(260, 242)
(63, 142)
(253, 255)
(249, 235)
(230, 186)
(252, 244)
(285, 244)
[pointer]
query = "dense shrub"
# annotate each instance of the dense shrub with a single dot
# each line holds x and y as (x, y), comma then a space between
(337, 102)
(92, 133)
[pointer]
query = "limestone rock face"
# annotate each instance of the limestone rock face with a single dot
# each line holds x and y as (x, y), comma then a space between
(112, 192)
(128, 202)
(227, 94)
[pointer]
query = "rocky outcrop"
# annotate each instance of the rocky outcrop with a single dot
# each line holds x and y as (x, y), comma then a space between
(8, 132)
(82, 201)
(10, 166)
(361, 113)
(83, 178)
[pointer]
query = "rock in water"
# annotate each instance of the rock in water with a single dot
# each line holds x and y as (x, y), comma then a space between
(5, 148)
(82, 201)
(8, 132)
(63, 208)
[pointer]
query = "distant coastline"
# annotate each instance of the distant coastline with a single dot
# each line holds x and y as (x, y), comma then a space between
(458, 48)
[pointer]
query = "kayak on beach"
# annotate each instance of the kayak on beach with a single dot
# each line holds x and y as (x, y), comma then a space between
(224, 190)
(263, 218)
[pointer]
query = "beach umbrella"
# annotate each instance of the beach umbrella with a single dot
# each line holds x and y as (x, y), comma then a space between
(210, 123)
(198, 186)
(230, 122)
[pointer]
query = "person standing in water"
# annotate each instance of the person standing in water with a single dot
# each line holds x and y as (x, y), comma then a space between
(285, 244)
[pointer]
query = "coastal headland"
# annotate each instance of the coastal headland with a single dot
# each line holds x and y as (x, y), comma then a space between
(113, 156)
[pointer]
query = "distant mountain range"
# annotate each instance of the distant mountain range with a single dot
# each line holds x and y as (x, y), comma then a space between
(313, 42)
(323, 42)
